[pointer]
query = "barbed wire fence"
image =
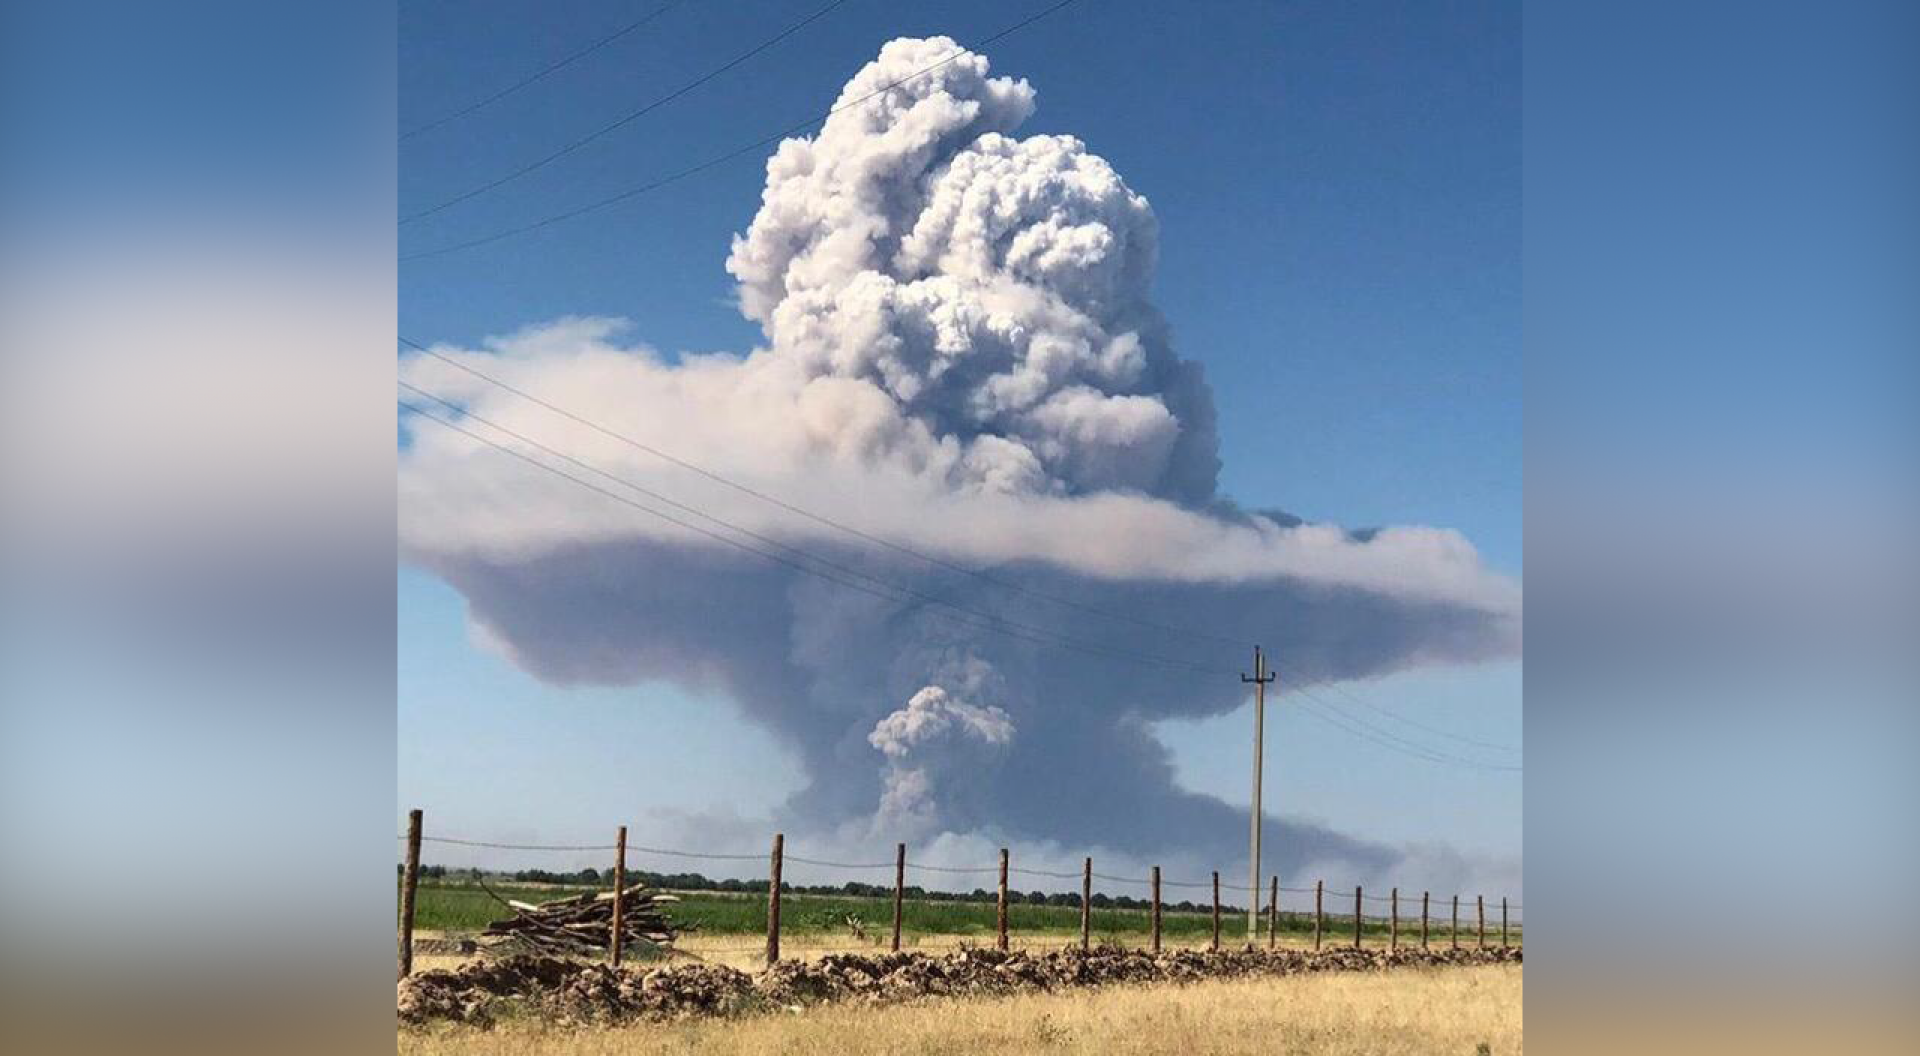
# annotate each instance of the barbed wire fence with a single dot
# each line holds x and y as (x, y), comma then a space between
(1330, 915)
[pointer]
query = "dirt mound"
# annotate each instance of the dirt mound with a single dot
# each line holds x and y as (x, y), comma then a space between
(569, 991)
(467, 994)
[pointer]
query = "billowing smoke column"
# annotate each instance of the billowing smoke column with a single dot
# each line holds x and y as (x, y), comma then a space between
(962, 359)
(990, 289)
(933, 715)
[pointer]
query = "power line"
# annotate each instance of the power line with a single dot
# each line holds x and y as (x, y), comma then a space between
(817, 518)
(888, 589)
(986, 621)
(543, 72)
(624, 120)
(722, 159)
(1345, 722)
(996, 622)
(1333, 716)
(1355, 698)
(1013, 628)
(1439, 753)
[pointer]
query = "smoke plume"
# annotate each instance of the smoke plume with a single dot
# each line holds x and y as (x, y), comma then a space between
(962, 358)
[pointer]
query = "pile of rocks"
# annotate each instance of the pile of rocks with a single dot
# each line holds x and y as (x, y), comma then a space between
(569, 991)
(903, 976)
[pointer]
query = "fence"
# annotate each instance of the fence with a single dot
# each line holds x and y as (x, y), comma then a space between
(1324, 922)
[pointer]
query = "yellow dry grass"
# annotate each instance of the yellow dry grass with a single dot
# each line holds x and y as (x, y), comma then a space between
(1398, 1013)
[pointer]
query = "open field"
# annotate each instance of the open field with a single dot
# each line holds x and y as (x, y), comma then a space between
(810, 921)
(1404, 1011)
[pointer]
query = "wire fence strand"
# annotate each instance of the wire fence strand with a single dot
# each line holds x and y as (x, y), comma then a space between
(1333, 893)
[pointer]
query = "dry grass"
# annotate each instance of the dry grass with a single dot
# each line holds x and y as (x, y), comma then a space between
(1454, 1010)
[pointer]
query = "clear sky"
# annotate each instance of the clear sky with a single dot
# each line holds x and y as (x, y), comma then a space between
(1338, 190)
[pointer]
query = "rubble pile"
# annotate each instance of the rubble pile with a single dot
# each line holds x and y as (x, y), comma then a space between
(573, 992)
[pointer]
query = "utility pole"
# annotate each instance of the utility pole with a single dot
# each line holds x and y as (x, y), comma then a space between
(1260, 679)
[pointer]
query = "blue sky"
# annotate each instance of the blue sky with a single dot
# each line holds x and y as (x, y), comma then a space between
(1338, 188)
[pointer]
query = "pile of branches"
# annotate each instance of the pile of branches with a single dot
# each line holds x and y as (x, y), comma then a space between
(582, 926)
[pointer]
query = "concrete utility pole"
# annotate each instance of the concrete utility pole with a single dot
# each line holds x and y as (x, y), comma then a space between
(1259, 679)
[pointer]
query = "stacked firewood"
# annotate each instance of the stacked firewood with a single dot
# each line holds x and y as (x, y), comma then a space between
(583, 925)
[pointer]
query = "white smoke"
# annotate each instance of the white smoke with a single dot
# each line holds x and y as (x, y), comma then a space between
(909, 800)
(932, 713)
(961, 357)
(921, 265)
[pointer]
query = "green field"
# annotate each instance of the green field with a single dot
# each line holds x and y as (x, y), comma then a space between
(464, 907)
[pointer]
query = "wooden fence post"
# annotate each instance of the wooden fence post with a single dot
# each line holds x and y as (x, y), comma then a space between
(773, 900)
(1001, 941)
(1216, 911)
(619, 889)
(1273, 913)
(408, 888)
(1319, 918)
(1480, 911)
(1423, 919)
(1453, 930)
(1086, 905)
(1359, 916)
(1503, 922)
(1393, 939)
(1156, 909)
(899, 889)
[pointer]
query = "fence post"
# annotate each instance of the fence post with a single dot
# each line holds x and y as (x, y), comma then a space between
(1086, 905)
(1503, 922)
(1393, 939)
(1319, 889)
(1216, 911)
(1480, 911)
(1359, 916)
(1453, 930)
(1156, 909)
(1001, 941)
(1423, 919)
(899, 889)
(1273, 913)
(773, 900)
(407, 889)
(619, 891)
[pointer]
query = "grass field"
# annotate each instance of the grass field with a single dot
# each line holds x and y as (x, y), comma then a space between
(462, 907)
(1397, 1013)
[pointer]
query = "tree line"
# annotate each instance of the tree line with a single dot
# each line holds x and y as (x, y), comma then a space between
(852, 888)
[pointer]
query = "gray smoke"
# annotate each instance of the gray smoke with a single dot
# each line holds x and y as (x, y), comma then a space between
(961, 357)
